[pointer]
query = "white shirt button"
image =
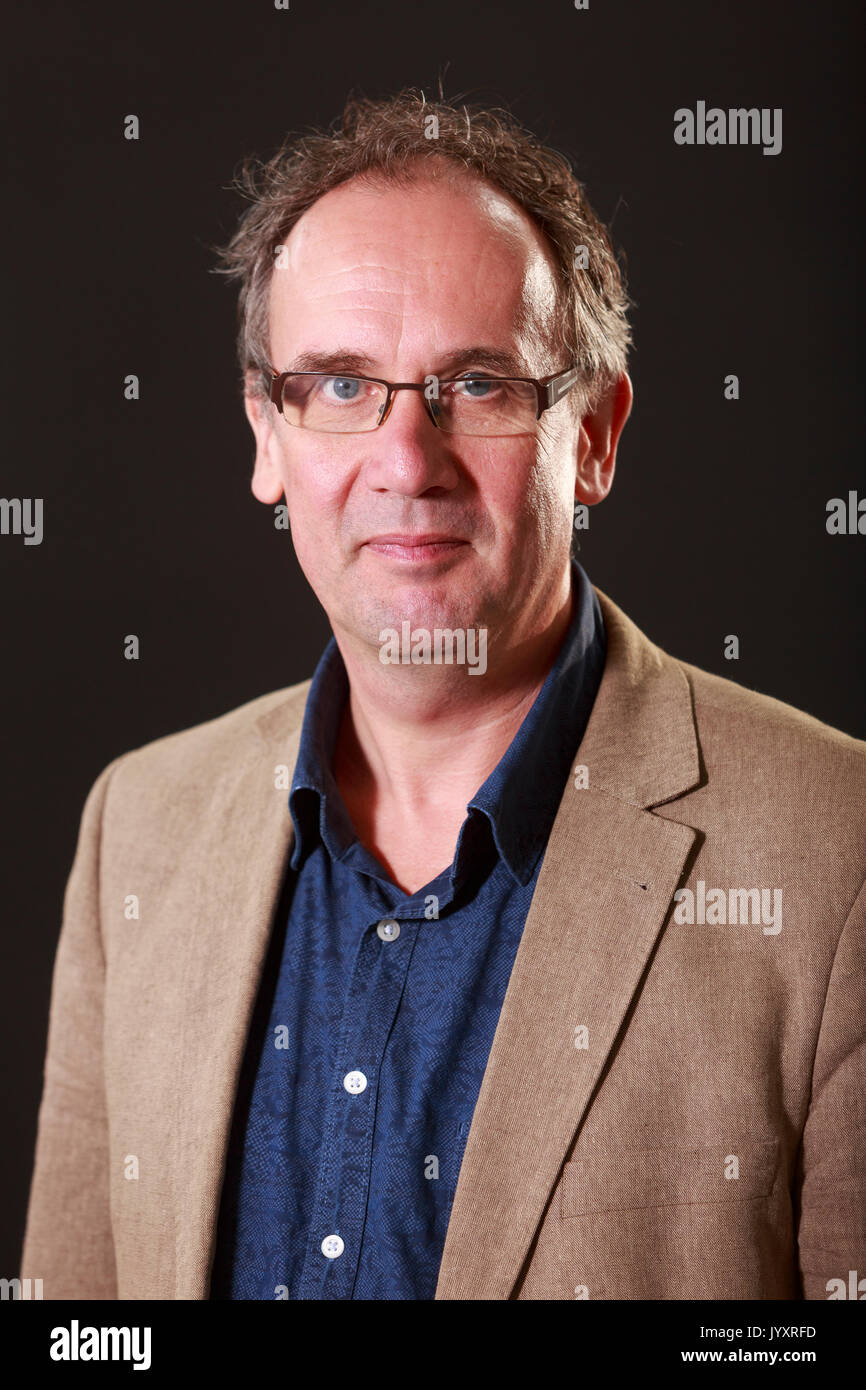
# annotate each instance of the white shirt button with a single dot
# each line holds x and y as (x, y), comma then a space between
(355, 1082)
(388, 929)
(332, 1246)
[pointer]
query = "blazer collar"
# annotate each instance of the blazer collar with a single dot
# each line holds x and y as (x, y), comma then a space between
(641, 740)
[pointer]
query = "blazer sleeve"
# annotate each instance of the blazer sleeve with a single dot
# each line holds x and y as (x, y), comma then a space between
(832, 1173)
(68, 1241)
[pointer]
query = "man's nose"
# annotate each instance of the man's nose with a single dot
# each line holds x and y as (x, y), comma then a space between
(408, 454)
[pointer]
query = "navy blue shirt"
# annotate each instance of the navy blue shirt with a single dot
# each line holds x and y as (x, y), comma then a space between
(377, 1011)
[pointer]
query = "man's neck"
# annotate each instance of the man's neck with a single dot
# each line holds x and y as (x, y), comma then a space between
(420, 740)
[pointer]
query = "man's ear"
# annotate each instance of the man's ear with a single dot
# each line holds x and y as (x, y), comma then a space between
(266, 481)
(598, 438)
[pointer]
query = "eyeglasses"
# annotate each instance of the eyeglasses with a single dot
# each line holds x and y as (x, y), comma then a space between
(474, 404)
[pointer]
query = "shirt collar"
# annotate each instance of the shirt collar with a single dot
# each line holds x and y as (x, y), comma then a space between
(519, 799)
(522, 794)
(314, 800)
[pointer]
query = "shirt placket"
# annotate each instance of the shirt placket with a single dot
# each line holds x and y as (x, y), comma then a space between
(371, 1003)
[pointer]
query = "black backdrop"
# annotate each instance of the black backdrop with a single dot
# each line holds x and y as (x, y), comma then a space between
(739, 262)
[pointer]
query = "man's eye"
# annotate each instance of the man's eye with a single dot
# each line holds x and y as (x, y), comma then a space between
(341, 388)
(475, 387)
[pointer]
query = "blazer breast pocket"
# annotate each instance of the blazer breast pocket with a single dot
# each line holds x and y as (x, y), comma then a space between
(600, 1178)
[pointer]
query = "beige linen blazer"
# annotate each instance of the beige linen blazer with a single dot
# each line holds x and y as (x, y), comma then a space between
(671, 1109)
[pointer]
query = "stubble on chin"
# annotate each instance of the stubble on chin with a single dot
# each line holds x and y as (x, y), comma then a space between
(369, 614)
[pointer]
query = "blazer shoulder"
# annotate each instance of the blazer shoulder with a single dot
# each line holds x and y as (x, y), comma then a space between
(764, 719)
(781, 787)
(213, 745)
(686, 724)
(793, 769)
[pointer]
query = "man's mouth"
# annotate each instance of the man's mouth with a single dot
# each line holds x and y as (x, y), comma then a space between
(422, 546)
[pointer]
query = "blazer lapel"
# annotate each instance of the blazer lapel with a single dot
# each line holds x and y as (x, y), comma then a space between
(603, 894)
(229, 915)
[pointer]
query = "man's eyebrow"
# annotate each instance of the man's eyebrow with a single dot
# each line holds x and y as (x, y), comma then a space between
(337, 361)
(490, 358)
(485, 358)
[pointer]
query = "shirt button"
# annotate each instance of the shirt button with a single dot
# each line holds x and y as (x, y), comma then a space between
(355, 1082)
(332, 1246)
(388, 929)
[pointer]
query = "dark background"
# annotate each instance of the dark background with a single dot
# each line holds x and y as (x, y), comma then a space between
(739, 262)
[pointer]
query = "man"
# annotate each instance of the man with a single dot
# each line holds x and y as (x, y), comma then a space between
(511, 957)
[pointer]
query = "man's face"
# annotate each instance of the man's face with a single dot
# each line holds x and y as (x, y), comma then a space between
(401, 283)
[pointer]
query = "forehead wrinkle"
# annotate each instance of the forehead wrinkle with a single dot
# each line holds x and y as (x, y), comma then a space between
(339, 302)
(403, 283)
(365, 286)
